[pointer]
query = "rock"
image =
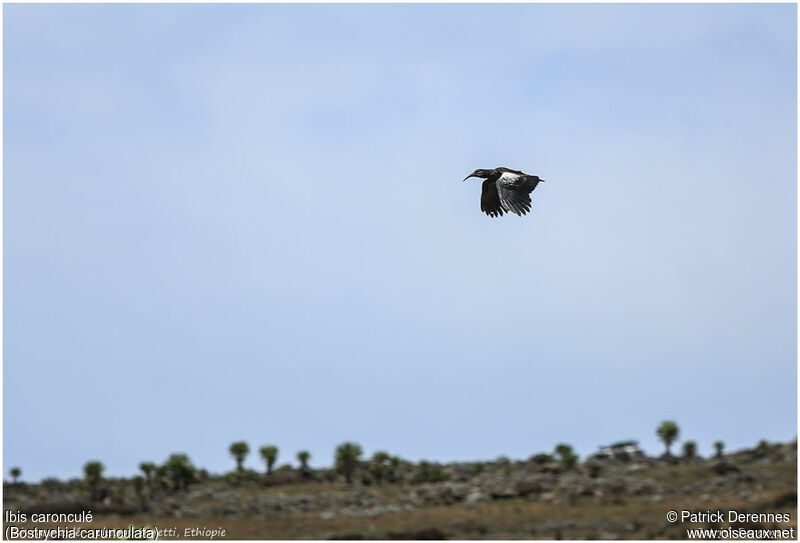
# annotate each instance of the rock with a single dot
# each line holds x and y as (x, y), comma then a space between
(503, 492)
(724, 468)
(533, 484)
(552, 467)
(476, 496)
(442, 493)
(302, 503)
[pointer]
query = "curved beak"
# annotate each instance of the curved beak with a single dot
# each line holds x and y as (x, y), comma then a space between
(467, 177)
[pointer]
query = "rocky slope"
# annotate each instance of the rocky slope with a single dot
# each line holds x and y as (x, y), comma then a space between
(745, 477)
(604, 481)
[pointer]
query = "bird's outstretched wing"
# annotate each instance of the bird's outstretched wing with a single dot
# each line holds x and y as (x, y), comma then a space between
(514, 191)
(490, 200)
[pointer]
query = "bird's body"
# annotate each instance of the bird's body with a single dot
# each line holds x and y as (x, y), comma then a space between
(505, 191)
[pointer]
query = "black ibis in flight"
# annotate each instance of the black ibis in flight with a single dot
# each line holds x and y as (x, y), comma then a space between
(505, 191)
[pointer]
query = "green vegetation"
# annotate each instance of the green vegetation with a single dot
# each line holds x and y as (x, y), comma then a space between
(668, 432)
(303, 457)
(180, 471)
(347, 459)
(92, 475)
(396, 467)
(239, 450)
(379, 465)
(541, 458)
(93, 471)
(594, 468)
(270, 454)
(566, 455)
(149, 470)
(428, 472)
(138, 487)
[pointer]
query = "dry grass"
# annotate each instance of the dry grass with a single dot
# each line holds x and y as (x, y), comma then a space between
(510, 519)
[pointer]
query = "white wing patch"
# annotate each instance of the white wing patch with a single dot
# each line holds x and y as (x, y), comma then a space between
(509, 178)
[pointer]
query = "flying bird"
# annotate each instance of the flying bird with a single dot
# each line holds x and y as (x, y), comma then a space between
(505, 191)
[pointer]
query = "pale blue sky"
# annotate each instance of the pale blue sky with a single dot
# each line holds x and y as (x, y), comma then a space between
(229, 222)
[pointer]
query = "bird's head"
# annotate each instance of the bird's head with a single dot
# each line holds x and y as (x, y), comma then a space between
(483, 174)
